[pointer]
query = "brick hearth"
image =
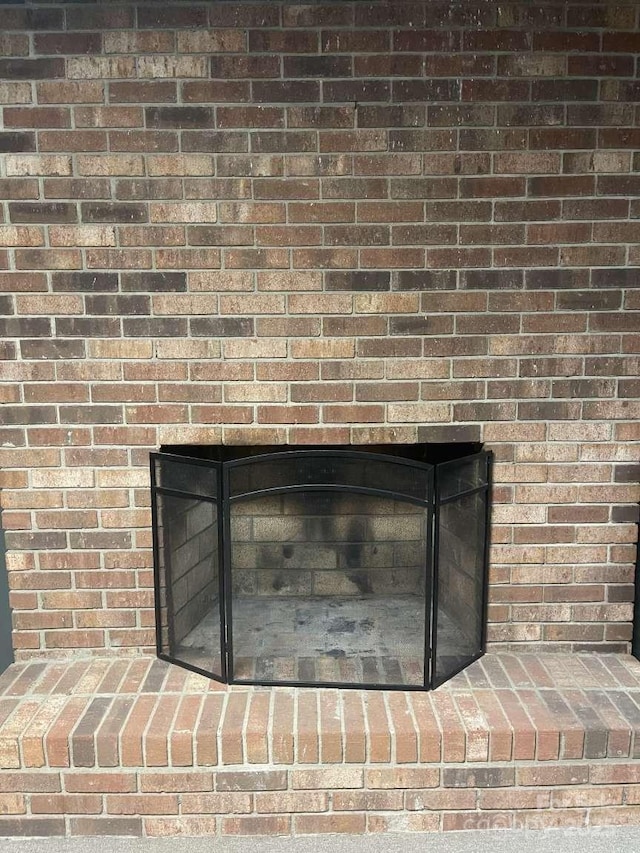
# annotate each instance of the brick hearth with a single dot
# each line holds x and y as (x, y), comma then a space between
(131, 747)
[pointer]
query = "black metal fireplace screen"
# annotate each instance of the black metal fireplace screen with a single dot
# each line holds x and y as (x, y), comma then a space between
(326, 566)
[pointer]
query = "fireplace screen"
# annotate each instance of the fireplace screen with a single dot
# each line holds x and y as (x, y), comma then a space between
(321, 566)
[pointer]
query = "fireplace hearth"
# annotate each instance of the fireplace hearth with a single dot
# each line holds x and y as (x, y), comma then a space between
(328, 566)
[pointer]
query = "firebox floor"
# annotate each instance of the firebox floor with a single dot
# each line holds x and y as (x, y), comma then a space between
(350, 639)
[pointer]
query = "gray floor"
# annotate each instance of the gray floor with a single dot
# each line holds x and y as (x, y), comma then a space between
(606, 840)
(320, 639)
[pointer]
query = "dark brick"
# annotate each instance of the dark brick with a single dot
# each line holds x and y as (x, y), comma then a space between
(216, 91)
(288, 91)
(357, 235)
(220, 235)
(143, 140)
(68, 43)
(25, 327)
(554, 279)
(283, 41)
(458, 211)
(595, 208)
(616, 321)
(210, 141)
(389, 347)
(363, 280)
(561, 185)
(91, 415)
(356, 91)
(578, 389)
(6, 304)
(462, 115)
(423, 280)
(587, 17)
(412, 115)
(318, 67)
(155, 282)
(629, 388)
(390, 14)
(31, 69)
(222, 327)
(43, 212)
(143, 91)
(260, 780)
(84, 282)
(50, 350)
(426, 188)
(538, 411)
(100, 17)
(491, 279)
(589, 300)
(453, 432)
(88, 327)
(435, 89)
(172, 16)
(356, 41)
(352, 188)
(229, 67)
(156, 327)
(87, 826)
(17, 141)
(619, 185)
(625, 514)
(65, 188)
(564, 90)
(474, 139)
(530, 115)
(119, 305)
(28, 415)
(620, 42)
(322, 15)
(32, 19)
(557, 40)
(388, 65)
(21, 188)
(616, 277)
(409, 325)
(82, 739)
(234, 117)
(269, 142)
(550, 138)
(453, 777)
(105, 212)
(599, 114)
(149, 188)
(426, 41)
(8, 350)
(179, 117)
(244, 15)
(32, 826)
(537, 367)
(483, 411)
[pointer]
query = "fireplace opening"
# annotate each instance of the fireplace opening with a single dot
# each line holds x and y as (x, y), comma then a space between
(336, 566)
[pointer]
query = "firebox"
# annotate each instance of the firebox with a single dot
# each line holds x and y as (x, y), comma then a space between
(329, 566)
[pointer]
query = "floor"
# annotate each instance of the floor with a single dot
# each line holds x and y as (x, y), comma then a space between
(324, 639)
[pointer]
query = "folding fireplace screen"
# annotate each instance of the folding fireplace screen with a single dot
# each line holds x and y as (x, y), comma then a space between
(321, 566)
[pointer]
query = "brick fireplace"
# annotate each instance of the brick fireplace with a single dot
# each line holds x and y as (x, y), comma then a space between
(351, 223)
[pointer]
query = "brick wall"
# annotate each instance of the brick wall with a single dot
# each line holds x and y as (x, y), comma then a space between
(351, 222)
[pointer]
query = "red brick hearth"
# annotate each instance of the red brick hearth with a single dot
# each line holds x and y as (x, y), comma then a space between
(122, 747)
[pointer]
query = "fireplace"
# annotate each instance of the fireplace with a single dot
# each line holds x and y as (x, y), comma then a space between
(337, 566)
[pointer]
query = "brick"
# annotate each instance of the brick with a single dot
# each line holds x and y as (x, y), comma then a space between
(31, 69)
(16, 141)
